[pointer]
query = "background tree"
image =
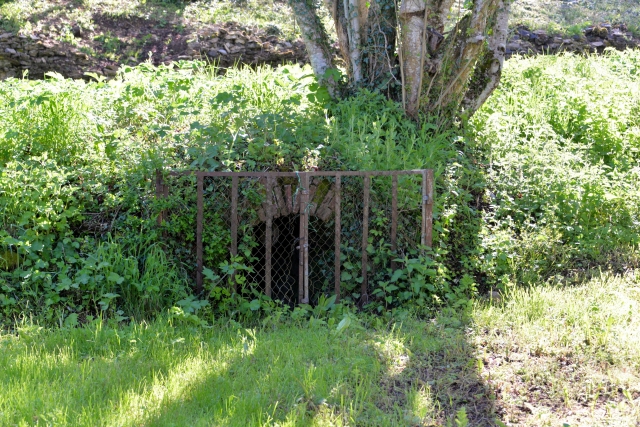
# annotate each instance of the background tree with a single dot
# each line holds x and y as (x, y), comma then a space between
(432, 58)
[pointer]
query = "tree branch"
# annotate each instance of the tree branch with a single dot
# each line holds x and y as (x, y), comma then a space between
(412, 14)
(352, 13)
(469, 43)
(338, 11)
(489, 68)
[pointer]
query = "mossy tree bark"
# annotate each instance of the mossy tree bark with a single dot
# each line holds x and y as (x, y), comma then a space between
(435, 59)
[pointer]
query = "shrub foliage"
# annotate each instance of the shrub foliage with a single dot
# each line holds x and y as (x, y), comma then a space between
(541, 183)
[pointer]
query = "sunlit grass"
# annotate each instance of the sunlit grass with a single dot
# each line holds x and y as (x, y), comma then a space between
(163, 375)
(543, 356)
(565, 354)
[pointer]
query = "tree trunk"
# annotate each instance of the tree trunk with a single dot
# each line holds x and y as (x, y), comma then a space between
(383, 42)
(316, 40)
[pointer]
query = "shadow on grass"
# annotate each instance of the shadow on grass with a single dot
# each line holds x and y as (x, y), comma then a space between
(103, 376)
(425, 375)
(438, 382)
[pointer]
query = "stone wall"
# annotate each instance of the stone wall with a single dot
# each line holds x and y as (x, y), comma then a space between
(19, 53)
(230, 44)
(592, 40)
(227, 45)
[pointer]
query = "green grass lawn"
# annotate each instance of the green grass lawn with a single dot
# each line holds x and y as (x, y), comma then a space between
(542, 356)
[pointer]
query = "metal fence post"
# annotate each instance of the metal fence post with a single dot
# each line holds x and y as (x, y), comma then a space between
(234, 225)
(427, 207)
(338, 232)
(364, 297)
(268, 236)
(199, 221)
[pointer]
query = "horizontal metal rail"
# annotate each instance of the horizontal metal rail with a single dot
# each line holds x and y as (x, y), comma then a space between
(296, 174)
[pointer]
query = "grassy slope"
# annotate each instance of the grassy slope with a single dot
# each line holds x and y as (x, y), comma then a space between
(545, 356)
(560, 139)
(56, 17)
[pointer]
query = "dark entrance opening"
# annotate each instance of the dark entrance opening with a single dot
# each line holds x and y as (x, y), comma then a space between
(285, 258)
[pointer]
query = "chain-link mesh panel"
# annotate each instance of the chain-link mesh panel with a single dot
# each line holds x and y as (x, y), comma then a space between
(351, 217)
(268, 227)
(409, 214)
(321, 237)
(380, 242)
(285, 259)
(251, 232)
(216, 226)
(253, 208)
(178, 226)
(285, 240)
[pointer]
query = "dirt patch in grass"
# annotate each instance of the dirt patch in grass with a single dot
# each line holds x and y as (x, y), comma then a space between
(552, 389)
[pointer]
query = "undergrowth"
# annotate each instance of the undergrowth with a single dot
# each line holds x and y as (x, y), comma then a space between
(560, 140)
(541, 183)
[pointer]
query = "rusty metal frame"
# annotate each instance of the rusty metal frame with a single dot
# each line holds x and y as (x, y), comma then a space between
(162, 191)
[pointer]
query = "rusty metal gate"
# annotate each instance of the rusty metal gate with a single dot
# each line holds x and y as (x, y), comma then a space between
(325, 215)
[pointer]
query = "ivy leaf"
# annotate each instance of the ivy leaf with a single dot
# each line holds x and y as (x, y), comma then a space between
(396, 275)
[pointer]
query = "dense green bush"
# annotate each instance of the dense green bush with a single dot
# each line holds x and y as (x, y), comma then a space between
(542, 181)
(560, 142)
